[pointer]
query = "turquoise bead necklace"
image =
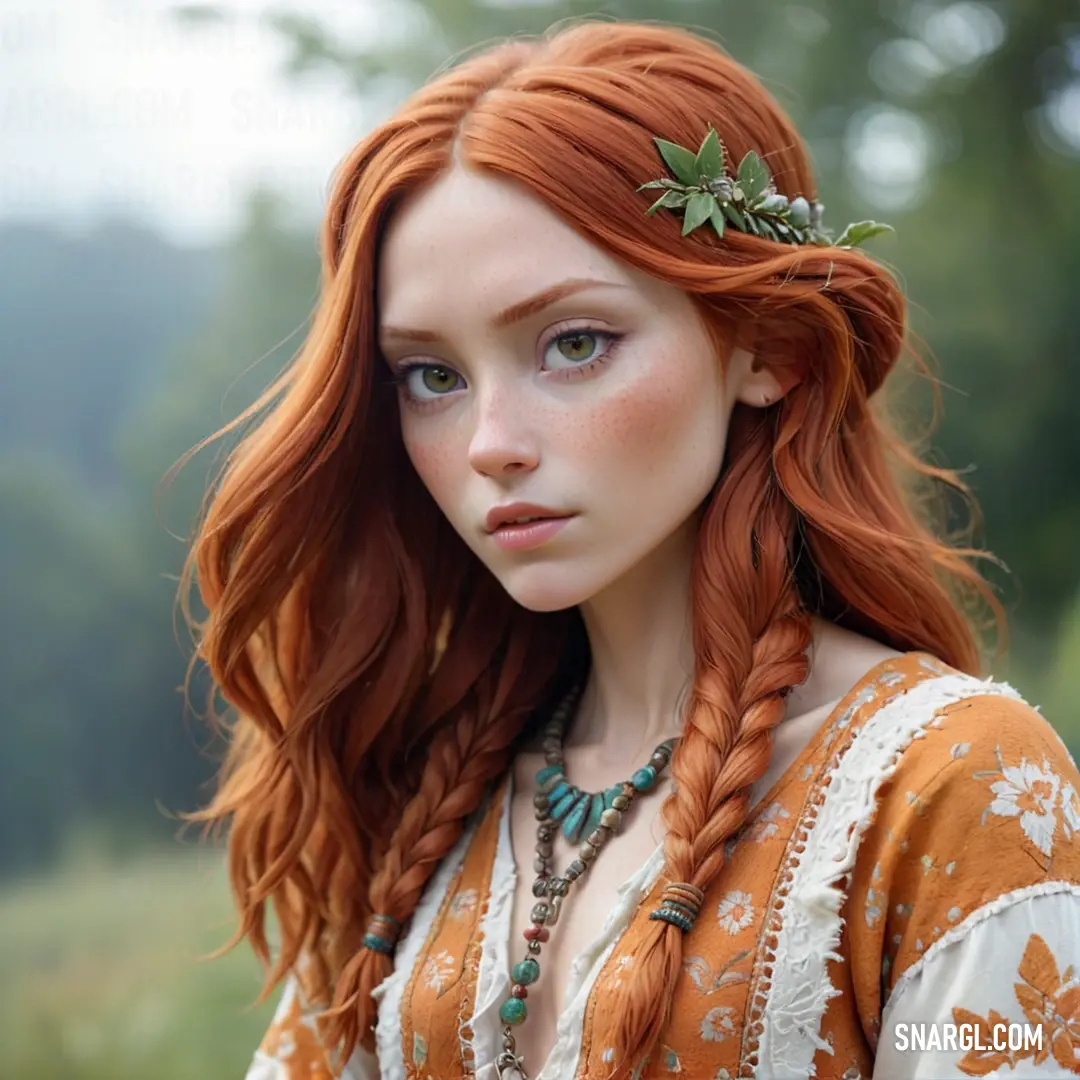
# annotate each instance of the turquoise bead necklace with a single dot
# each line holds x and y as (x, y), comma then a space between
(579, 813)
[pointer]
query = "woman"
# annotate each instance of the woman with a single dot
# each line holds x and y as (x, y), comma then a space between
(443, 781)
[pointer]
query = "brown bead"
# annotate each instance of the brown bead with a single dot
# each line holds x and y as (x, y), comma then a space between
(545, 848)
(535, 946)
(541, 802)
(519, 991)
(576, 868)
(611, 819)
(540, 864)
(659, 761)
(587, 852)
(598, 838)
(545, 832)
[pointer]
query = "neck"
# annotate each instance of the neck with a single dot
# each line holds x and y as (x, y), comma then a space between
(642, 650)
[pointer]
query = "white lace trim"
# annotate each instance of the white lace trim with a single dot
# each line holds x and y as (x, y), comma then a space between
(811, 926)
(957, 933)
(390, 991)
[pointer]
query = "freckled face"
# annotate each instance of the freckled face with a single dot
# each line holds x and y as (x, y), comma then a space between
(607, 403)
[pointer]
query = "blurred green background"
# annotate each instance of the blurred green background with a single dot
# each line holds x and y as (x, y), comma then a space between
(957, 122)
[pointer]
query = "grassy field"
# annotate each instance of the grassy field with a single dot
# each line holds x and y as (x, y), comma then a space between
(103, 978)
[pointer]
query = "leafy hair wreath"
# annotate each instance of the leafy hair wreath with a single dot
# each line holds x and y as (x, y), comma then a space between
(704, 191)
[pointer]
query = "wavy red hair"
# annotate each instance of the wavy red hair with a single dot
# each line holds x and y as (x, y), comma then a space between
(364, 740)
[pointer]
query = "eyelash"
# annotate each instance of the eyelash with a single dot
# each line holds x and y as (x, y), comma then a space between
(400, 375)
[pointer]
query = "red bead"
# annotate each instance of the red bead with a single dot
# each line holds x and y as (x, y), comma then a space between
(537, 933)
(519, 991)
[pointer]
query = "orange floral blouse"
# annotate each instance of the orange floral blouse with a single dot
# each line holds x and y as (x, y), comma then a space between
(904, 903)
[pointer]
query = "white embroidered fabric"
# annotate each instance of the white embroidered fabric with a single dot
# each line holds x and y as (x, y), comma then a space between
(800, 988)
(974, 966)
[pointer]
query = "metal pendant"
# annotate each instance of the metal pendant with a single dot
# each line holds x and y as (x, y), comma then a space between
(510, 1066)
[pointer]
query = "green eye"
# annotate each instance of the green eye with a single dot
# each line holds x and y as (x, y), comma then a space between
(578, 345)
(438, 379)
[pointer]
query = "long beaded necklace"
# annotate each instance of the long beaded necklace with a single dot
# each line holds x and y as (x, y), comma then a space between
(596, 816)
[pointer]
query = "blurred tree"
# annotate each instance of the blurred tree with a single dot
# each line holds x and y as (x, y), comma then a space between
(93, 725)
(85, 323)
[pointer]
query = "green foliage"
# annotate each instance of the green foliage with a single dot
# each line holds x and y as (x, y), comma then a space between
(704, 191)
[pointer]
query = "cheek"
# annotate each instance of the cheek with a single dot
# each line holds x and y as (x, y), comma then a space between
(672, 411)
(433, 457)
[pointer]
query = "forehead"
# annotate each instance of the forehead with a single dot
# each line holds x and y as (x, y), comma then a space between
(483, 239)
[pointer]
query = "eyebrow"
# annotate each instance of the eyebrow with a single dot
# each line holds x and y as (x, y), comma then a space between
(515, 312)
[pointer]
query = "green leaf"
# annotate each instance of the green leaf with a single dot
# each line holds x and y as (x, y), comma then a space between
(856, 233)
(679, 160)
(736, 218)
(753, 176)
(670, 185)
(716, 217)
(698, 211)
(710, 158)
(670, 199)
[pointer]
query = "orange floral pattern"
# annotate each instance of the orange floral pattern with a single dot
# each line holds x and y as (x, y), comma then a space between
(292, 1043)
(1050, 1001)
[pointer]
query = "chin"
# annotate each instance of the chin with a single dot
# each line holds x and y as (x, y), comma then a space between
(546, 588)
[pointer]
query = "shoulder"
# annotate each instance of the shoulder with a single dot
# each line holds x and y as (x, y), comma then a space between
(976, 764)
(976, 810)
(964, 897)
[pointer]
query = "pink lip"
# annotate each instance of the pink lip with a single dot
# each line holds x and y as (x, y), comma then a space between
(523, 537)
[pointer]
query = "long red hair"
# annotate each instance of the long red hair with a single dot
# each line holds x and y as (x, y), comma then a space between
(381, 675)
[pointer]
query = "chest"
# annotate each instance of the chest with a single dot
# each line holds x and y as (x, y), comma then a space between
(587, 909)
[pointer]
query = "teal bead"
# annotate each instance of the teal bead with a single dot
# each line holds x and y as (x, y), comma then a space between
(512, 1011)
(525, 972)
(547, 772)
(609, 796)
(378, 944)
(558, 792)
(596, 808)
(560, 809)
(644, 778)
(575, 819)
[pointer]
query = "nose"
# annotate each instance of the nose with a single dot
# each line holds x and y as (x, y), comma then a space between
(504, 439)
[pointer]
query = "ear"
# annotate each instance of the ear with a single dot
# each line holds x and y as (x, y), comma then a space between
(758, 380)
